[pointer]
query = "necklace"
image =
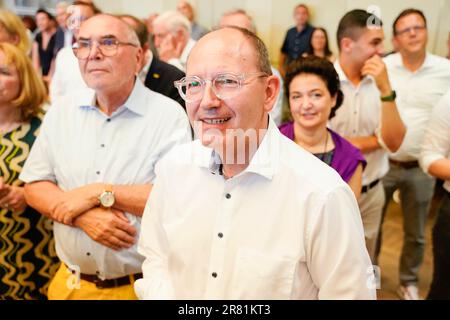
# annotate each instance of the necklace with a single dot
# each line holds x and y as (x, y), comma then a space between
(322, 156)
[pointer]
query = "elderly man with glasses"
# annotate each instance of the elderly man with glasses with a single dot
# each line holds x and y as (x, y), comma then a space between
(254, 216)
(420, 79)
(92, 166)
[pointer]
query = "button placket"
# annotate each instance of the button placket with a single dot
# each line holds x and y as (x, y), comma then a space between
(101, 149)
(218, 249)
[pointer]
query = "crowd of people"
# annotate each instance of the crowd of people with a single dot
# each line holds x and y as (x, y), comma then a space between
(153, 159)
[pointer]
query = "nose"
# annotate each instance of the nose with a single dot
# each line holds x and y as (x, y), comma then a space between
(380, 50)
(94, 52)
(209, 99)
(306, 102)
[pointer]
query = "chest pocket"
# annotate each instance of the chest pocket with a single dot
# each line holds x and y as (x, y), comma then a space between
(260, 276)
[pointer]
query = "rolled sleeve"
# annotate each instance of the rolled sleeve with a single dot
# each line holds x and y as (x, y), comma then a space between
(154, 246)
(39, 165)
(337, 257)
(436, 143)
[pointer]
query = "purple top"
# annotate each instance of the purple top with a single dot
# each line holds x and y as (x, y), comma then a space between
(346, 157)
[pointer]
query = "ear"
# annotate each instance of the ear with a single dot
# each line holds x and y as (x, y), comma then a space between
(15, 39)
(346, 44)
(333, 101)
(394, 42)
(271, 92)
(139, 57)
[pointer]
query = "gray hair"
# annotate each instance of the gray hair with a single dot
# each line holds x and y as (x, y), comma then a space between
(174, 20)
(244, 13)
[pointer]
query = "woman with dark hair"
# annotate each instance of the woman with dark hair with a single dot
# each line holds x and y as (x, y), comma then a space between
(44, 44)
(313, 90)
(319, 46)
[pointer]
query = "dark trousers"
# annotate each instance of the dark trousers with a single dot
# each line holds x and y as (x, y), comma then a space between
(440, 286)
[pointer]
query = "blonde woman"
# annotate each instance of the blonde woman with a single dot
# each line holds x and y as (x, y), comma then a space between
(27, 256)
(12, 30)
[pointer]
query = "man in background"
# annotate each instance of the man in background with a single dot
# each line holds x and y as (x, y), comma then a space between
(296, 41)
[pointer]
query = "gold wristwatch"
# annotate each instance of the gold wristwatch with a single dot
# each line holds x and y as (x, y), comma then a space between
(107, 198)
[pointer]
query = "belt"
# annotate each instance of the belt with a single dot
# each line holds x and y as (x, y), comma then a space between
(369, 186)
(108, 283)
(405, 164)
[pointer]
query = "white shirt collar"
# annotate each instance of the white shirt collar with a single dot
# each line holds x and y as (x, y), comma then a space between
(343, 76)
(397, 61)
(265, 161)
(136, 101)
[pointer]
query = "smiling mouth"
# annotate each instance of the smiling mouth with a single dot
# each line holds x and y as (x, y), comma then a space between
(216, 121)
(308, 114)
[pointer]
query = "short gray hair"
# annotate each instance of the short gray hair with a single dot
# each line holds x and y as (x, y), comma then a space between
(244, 13)
(173, 21)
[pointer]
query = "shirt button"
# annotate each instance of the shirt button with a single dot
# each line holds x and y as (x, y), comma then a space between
(228, 196)
(220, 235)
(214, 275)
(98, 172)
(102, 145)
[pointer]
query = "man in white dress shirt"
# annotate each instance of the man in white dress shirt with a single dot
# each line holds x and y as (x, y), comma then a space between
(256, 219)
(420, 79)
(92, 166)
(435, 160)
(368, 117)
(172, 32)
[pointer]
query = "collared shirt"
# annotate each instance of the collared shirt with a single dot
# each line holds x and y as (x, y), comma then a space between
(436, 143)
(67, 77)
(180, 63)
(287, 227)
(417, 94)
(80, 145)
(296, 43)
(360, 115)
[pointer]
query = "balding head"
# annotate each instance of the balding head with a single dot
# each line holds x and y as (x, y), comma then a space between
(239, 40)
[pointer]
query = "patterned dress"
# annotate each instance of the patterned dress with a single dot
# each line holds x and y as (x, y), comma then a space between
(27, 250)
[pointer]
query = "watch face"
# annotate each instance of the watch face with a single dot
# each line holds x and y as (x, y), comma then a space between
(107, 199)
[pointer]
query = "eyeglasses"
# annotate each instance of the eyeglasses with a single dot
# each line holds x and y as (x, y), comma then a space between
(107, 46)
(224, 85)
(416, 29)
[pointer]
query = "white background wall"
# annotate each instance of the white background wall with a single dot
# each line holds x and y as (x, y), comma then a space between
(274, 17)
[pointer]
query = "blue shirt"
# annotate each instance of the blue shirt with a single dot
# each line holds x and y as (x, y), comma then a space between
(296, 43)
(78, 145)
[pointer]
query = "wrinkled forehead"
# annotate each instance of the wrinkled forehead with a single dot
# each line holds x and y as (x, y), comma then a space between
(103, 26)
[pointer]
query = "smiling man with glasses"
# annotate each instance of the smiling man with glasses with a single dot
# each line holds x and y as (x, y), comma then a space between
(242, 212)
(92, 166)
(420, 79)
